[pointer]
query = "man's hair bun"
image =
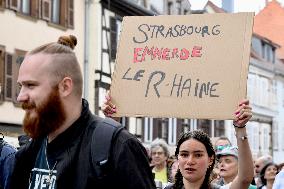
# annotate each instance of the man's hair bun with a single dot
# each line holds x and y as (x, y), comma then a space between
(70, 41)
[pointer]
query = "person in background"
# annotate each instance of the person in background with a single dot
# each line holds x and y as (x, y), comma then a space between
(267, 175)
(159, 155)
(279, 180)
(228, 164)
(23, 140)
(221, 143)
(173, 167)
(258, 165)
(281, 166)
(7, 157)
(196, 157)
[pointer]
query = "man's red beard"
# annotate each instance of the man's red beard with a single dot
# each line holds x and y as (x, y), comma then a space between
(46, 117)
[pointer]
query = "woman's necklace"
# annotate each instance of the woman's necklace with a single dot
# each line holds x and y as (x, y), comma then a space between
(48, 180)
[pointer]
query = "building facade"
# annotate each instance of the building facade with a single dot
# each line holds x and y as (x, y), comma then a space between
(26, 24)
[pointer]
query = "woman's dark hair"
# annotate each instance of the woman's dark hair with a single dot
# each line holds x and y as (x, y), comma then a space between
(205, 140)
(262, 172)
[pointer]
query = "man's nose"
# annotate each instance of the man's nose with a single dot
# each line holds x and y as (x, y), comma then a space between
(23, 96)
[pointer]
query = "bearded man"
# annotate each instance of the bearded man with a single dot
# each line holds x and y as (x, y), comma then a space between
(61, 126)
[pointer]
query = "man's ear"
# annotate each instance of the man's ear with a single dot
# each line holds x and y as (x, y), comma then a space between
(66, 86)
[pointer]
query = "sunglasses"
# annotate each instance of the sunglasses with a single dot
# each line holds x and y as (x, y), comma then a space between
(222, 147)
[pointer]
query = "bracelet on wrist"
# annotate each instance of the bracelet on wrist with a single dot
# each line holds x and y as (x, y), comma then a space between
(244, 137)
(239, 126)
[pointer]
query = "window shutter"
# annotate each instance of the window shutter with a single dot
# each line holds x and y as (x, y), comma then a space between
(19, 57)
(2, 3)
(2, 73)
(34, 8)
(14, 4)
(46, 10)
(63, 13)
(113, 38)
(71, 13)
(8, 76)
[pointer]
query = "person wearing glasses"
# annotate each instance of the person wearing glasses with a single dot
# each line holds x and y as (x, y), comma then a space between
(221, 143)
(159, 155)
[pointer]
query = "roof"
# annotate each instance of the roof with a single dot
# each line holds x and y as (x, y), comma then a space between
(215, 8)
(269, 24)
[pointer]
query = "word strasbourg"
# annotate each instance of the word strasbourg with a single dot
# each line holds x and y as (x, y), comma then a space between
(160, 31)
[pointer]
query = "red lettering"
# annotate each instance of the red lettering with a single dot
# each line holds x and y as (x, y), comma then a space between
(174, 53)
(196, 51)
(184, 54)
(146, 51)
(136, 55)
(157, 52)
(165, 55)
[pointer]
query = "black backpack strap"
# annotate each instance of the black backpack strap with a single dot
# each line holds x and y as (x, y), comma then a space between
(104, 133)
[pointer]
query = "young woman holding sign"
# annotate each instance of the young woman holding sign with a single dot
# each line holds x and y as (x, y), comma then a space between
(196, 155)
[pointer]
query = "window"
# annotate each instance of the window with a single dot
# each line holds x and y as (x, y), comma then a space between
(14, 4)
(71, 13)
(172, 136)
(55, 8)
(135, 126)
(46, 10)
(205, 126)
(148, 129)
(275, 134)
(138, 127)
(179, 8)
(26, 7)
(219, 128)
(2, 73)
(265, 136)
(254, 136)
(8, 77)
(2, 3)
(170, 8)
(19, 57)
(113, 37)
(250, 87)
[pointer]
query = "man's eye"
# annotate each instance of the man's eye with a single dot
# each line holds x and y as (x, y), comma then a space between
(30, 85)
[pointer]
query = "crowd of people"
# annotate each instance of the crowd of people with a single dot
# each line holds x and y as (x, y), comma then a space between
(64, 138)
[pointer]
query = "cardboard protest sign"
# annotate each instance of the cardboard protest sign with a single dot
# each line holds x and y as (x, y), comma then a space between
(192, 66)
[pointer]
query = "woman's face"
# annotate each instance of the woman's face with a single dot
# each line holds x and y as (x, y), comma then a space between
(193, 160)
(228, 166)
(270, 172)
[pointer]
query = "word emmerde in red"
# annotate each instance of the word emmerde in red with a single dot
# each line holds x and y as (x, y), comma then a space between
(154, 53)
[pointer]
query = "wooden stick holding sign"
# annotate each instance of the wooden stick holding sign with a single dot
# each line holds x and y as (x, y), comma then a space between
(192, 66)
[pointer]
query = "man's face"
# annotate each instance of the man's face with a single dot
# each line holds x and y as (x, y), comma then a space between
(258, 166)
(39, 97)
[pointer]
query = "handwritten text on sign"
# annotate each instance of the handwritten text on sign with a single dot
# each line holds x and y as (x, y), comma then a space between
(183, 65)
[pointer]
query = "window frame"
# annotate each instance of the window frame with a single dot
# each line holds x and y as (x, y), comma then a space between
(8, 94)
